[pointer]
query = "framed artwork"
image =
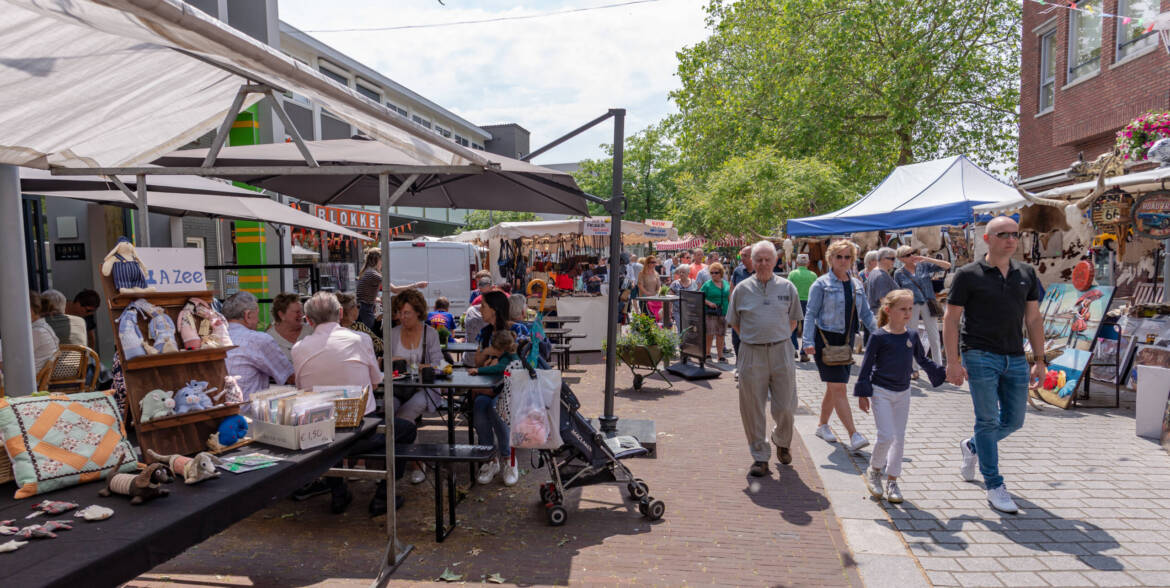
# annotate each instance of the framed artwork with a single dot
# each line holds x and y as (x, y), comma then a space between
(1072, 319)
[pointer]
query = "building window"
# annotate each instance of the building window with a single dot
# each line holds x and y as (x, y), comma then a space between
(477, 146)
(369, 92)
(1047, 71)
(334, 74)
(421, 121)
(1084, 41)
(400, 110)
(462, 141)
(1132, 37)
(444, 132)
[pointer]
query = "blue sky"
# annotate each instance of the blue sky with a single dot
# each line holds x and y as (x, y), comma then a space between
(548, 74)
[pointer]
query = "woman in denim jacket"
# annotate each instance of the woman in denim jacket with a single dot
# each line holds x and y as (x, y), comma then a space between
(836, 305)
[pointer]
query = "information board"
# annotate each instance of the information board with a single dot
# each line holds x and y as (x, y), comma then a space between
(693, 324)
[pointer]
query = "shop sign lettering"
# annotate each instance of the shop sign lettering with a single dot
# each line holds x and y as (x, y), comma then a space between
(174, 269)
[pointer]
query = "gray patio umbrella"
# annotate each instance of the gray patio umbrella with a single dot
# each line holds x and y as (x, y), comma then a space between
(513, 185)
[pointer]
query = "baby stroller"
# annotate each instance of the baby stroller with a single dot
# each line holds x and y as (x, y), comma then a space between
(587, 458)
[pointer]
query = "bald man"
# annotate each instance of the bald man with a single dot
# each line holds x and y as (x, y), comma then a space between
(991, 299)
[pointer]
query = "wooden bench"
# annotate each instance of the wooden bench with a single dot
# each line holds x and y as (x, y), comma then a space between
(561, 352)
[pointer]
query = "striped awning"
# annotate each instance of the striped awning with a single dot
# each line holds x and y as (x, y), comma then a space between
(690, 242)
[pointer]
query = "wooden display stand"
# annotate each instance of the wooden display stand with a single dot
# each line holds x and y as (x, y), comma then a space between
(185, 434)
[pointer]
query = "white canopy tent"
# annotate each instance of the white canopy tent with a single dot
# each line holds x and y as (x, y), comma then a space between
(633, 232)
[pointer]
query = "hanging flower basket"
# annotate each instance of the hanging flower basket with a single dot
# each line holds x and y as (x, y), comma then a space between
(1138, 136)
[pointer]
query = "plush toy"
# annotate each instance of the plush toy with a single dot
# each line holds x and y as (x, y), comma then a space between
(129, 273)
(232, 430)
(140, 487)
(133, 344)
(191, 397)
(54, 506)
(231, 391)
(201, 326)
(12, 545)
(193, 469)
(161, 327)
(157, 404)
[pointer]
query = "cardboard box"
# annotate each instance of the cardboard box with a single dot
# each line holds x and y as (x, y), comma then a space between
(1152, 391)
(294, 437)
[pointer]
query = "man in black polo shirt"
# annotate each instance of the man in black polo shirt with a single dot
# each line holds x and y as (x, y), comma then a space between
(992, 298)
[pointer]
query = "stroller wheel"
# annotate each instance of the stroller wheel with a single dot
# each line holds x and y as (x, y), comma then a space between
(637, 381)
(642, 504)
(546, 493)
(655, 509)
(637, 489)
(557, 515)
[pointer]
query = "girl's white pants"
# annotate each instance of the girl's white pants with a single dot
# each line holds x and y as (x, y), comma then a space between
(891, 410)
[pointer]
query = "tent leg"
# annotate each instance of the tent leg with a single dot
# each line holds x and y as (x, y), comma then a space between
(142, 230)
(607, 419)
(19, 367)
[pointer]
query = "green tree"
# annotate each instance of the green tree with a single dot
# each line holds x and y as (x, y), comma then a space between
(862, 85)
(482, 219)
(751, 195)
(649, 167)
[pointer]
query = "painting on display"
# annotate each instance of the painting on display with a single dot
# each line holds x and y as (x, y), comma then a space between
(1072, 319)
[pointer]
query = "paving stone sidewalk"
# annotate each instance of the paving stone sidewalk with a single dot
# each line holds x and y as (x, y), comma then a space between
(1094, 498)
(721, 527)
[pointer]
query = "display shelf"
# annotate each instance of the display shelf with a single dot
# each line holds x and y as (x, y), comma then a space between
(190, 417)
(177, 358)
(121, 301)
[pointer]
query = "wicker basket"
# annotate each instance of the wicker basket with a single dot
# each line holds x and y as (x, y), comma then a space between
(5, 467)
(348, 412)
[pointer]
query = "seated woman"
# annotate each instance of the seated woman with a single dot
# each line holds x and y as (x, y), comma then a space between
(349, 314)
(288, 322)
(414, 341)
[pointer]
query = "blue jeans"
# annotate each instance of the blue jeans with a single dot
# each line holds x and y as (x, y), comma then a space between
(999, 391)
(489, 427)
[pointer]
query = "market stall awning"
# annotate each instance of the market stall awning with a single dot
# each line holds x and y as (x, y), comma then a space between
(939, 192)
(505, 184)
(690, 242)
(180, 196)
(121, 82)
(633, 232)
(1145, 181)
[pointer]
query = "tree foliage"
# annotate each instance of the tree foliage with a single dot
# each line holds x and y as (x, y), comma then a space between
(862, 85)
(482, 219)
(751, 195)
(649, 168)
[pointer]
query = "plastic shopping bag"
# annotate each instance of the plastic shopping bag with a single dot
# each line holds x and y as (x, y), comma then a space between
(534, 408)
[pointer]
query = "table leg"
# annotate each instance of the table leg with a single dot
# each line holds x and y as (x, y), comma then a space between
(470, 434)
(439, 531)
(451, 497)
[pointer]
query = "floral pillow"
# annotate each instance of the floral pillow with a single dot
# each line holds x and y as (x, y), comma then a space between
(59, 440)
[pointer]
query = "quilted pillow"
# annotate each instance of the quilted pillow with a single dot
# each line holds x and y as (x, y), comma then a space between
(59, 440)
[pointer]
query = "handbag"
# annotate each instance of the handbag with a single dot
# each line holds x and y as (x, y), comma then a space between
(934, 307)
(838, 354)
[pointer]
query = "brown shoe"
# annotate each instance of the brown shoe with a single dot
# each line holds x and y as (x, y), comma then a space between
(759, 469)
(784, 455)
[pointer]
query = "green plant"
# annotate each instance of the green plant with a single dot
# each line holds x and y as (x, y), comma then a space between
(644, 332)
(1138, 136)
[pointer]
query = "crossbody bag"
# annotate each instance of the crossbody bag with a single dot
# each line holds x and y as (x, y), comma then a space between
(839, 354)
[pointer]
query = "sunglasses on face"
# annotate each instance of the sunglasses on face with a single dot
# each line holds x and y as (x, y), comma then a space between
(844, 257)
(717, 273)
(1008, 235)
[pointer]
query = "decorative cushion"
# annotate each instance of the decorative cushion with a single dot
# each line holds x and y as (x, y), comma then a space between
(59, 440)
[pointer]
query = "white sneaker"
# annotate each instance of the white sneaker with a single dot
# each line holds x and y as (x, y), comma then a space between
(857, 441)
(1002, 501)
(418, 475)
(511, 473)
(970, 460)
(488, 471)
(825, 433)
(893, 492)
(873, 482)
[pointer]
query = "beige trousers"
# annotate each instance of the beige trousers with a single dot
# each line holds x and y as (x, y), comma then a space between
(766, 372)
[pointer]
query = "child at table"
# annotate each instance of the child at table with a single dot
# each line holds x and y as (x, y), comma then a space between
(885, 376)
(490, 428)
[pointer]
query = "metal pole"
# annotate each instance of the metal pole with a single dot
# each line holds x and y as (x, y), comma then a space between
(142, 238)
(19, 367)
(1166, 272)
(608, 420)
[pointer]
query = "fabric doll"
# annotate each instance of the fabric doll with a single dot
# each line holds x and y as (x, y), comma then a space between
(214, 329)
(188, 330)
(133, 345)
(192, 469)
(129, 274)
(160, 326)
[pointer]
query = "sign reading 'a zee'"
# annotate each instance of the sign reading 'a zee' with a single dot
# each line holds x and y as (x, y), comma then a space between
(174, 269)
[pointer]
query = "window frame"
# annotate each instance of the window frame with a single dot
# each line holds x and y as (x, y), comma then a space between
(360, 85)
(1049, 52)
(1123, 10)
(327, 67)
(1070, 68)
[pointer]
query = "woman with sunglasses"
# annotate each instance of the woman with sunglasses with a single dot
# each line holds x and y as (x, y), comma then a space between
(836, 305)
(915, 277)
(716, 294)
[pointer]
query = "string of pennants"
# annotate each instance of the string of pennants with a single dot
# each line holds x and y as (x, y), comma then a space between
(1087, 8)
(311, 238)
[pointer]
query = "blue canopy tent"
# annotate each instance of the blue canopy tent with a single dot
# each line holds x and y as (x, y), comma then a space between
(939, 192)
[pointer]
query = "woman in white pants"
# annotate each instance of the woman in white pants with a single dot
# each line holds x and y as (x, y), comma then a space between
(915, 277)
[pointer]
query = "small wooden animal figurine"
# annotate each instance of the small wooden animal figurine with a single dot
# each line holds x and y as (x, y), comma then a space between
(129, 274)
(193, 469)
(140, 487)
(192, 397)
(157, 404)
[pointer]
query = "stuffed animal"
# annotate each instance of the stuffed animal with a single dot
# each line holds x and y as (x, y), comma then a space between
(193, 469)
(201, 326)
(140, 487)
(133, 344)
(157, 404)
(129, 274)
(191, 397)
(231, 391)
(161, 327)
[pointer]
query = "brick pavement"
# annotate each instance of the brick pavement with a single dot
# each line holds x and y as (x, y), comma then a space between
(719, 528)
(1094, 497)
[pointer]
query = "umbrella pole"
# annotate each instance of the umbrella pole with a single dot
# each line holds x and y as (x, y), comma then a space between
(142, 230)
(395, 552)
(614, 205)
(19, 367)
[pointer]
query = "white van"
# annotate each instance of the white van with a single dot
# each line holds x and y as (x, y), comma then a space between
(448, 269)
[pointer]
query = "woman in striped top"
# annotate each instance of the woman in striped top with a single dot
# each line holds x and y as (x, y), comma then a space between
(370, 282)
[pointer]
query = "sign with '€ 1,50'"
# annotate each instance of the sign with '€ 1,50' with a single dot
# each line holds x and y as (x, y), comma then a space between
(173, 269)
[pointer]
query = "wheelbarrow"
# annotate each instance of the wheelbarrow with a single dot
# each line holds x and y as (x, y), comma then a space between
(643, 357)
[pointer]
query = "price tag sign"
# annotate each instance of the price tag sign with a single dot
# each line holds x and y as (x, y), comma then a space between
(174, 269)
(595, 228)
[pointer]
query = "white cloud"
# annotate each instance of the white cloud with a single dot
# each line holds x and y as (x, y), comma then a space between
(550, 74)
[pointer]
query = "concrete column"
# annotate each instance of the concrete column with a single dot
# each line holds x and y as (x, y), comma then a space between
(177, 232)
(19, 367)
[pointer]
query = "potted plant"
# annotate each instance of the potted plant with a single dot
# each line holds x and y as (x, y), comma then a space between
(646, 345)
(1138, 136)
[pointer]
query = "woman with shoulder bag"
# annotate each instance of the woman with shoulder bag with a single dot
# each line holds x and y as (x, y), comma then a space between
(836, 305)
(915, 277)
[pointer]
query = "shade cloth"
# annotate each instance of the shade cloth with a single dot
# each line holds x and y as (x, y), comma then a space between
(690, 242)
(633, 232)
(122, 82)
(180, 196)
(507, 184)
(1136, 182)
(939, 192)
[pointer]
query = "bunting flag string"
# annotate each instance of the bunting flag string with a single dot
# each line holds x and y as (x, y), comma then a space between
(1082, 8)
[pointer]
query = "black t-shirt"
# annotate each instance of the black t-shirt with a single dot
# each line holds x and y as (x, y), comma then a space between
(994, 305)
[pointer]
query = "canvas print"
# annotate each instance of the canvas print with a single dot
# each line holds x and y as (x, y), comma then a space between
(1071, 321)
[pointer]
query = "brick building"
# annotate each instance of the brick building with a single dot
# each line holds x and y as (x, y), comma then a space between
(1082, 78)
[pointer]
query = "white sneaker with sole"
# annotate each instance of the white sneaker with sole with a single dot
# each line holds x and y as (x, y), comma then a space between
(873, 482)
(418, 475)
(511, 473)
(1002, 501)
(970, 460)
(857, 441)
(488, 471)
(824, 432)
(893, 492)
